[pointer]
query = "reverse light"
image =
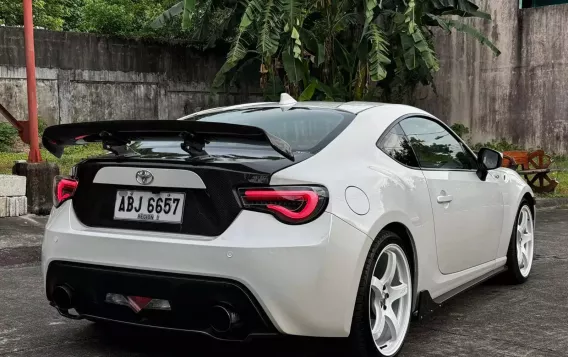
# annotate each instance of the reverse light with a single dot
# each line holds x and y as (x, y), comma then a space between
(289, 204)
(63, 189)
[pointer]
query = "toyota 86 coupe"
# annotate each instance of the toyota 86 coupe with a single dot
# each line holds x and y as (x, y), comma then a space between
(318, 219)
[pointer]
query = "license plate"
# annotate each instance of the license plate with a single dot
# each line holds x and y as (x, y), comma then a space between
(145, 206)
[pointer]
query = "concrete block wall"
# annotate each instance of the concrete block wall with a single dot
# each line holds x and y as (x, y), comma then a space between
(85, 77)
(11, 185)
(520, 95)
(13, 201)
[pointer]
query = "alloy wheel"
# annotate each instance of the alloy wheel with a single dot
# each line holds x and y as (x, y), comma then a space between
(525, 241)
(390, 300)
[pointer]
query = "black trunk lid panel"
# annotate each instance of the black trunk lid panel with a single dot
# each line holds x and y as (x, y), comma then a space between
(207, 212)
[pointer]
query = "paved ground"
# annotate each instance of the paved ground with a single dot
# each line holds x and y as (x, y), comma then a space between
(20, 240)
(490, 320)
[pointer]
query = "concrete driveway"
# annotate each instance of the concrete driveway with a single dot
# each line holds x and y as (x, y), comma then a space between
(490, 320)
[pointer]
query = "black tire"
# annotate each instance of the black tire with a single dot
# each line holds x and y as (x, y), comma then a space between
(360, 338)
(513, 274)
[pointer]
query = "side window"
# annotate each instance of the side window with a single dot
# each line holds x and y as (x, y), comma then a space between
(435, 147)
(395, 144)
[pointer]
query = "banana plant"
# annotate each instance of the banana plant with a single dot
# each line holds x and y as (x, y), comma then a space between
(328, 49)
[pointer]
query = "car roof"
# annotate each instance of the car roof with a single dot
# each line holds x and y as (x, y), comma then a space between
(351, 107)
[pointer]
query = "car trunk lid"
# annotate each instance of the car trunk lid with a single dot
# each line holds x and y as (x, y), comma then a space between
(208, 186)
(204, 181)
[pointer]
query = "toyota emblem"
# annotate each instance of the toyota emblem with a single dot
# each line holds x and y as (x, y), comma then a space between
(144, 177)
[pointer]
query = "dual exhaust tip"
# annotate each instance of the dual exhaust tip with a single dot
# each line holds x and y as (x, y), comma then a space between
(222, 319)
(62, 297)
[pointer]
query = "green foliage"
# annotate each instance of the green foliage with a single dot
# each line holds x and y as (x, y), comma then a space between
(164, 18)
(73, 155)
(48, 14)
(332, 49)
(10, 151)
(355, 49)
(560, 161)
(130, 17)
(461, 130)
(8, 136)
(109, 17)
(498, 145)
(378, 53)
(448, 24)
(41, 125)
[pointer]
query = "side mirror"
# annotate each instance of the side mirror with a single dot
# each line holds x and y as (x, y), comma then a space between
(488, 159)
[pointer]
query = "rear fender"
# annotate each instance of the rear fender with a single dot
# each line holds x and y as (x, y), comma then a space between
(514, 188)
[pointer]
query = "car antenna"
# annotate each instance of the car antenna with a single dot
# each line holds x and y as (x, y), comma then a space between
(286, 101)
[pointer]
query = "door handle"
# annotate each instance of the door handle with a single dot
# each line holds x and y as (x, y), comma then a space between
(445, 199)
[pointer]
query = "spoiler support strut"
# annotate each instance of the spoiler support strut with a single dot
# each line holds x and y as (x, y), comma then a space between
(193, 144)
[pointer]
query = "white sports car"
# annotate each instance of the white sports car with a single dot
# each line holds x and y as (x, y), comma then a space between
(313, 219)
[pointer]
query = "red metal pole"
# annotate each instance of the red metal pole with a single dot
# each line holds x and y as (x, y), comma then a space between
(34, 155)
(15, 123)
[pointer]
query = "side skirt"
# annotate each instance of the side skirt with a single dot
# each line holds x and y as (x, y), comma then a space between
(427, 305)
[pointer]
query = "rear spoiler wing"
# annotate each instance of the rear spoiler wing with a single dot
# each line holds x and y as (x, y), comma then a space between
(117, 133)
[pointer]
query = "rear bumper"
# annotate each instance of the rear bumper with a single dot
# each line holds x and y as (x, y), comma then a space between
(303, 279)
(191, 299)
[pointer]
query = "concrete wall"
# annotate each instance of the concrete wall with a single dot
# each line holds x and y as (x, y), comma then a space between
(521, 95)
(83, 77)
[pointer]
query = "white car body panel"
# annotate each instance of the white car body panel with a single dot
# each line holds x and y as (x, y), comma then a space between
(288, 270)
(306, 276)
(386, 189)
(162, 177)
(514, 188)
(468, 227)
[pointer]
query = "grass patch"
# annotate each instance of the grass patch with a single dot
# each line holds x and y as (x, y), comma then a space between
(562, 188)
(72, 156)
(560, 162)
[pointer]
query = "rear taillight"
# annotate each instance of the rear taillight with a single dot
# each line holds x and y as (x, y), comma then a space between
(289, 204)
(63, 189)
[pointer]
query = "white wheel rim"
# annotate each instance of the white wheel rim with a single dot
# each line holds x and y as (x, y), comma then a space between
(525, 241)
(390, 299)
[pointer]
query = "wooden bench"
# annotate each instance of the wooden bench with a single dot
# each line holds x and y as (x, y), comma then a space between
(534, 166)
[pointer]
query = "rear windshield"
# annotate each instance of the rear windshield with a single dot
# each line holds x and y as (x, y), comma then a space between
(305, 129)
